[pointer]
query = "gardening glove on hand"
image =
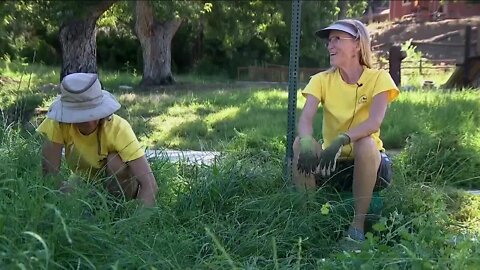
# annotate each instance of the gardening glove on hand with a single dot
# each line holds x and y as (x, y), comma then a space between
(329, 156)
(307, 159)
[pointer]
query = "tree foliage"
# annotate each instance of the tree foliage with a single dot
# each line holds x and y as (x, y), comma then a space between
(214, 37)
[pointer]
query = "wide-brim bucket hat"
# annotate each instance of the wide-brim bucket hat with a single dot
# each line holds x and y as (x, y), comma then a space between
(82, 99)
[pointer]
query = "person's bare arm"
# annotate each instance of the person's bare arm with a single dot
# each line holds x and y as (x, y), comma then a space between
(51, 157)
(148, 185)
(375, 118)
(51, 160)
(305, 123)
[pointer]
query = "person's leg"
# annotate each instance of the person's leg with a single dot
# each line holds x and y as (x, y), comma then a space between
(303, 182)
(366, 164)
(120, 182)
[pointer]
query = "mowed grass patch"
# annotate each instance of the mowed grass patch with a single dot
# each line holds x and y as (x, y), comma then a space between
(437, 130)
(208, 120)
(211, 118)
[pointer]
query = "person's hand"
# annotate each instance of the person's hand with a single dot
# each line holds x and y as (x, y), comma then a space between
(307, 158)
(329, 156)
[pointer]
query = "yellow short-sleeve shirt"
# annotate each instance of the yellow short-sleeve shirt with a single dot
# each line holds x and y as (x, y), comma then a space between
(88, 153)
(347, 105)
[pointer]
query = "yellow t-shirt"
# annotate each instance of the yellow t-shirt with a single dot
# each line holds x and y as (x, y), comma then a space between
(88, 153)
(346, 104)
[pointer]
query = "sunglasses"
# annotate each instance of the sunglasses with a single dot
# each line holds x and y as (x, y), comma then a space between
(336, 40)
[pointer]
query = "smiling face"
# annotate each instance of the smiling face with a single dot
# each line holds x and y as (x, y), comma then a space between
(343, 49)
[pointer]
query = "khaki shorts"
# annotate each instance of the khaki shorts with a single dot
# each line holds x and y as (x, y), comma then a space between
(342, 179)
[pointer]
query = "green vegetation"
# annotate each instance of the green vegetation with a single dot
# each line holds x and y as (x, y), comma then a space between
(238, 213)
(251, 33)
(203, 114)
(235, 214)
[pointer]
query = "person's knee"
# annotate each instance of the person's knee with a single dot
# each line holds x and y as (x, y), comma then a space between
(365, 147)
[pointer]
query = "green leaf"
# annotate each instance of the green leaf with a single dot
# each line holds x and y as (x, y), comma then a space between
(379, 227)
(325, 208)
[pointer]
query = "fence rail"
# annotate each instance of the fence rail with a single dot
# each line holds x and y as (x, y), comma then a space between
(273, 73)
(279, 73)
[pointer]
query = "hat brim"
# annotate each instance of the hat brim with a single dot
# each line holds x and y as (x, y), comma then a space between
(325, 32)
(65, 114)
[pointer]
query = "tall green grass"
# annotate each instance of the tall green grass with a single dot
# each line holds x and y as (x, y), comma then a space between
(236, 214)
(199, 114)
(239, 212)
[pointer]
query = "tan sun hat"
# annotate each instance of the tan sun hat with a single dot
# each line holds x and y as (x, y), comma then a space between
(82, 99)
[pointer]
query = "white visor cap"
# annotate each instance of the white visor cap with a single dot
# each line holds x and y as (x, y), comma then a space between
(340, 26)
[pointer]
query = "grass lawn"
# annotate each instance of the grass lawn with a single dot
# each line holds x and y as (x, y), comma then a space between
(238, 213)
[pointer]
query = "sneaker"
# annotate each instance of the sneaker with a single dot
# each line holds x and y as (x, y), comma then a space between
(355, 234)
(352, 240)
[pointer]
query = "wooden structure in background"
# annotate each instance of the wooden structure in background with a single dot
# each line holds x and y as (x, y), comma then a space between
(273, 73)
(468, 73)
(426, 10)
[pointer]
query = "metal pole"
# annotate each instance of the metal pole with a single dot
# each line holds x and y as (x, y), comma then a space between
(292, 86)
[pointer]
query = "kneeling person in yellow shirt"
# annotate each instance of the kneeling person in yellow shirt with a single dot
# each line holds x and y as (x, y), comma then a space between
(96, 141)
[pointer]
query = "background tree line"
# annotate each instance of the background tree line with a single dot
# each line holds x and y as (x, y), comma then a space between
(147, 36)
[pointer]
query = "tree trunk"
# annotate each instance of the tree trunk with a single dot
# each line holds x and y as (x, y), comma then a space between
(78, 41)
(342, 6)
(156, 41)
(197, 49)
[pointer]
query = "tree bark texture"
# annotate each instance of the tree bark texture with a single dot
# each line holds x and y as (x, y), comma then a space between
(156, 40)
(78, 41)
(342, 5)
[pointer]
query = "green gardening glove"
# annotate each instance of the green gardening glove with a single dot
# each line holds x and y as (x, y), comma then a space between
(329, 156)
(307, 158)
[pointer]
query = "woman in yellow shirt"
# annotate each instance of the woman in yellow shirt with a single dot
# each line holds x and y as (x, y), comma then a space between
(354, 98)
(97, 143)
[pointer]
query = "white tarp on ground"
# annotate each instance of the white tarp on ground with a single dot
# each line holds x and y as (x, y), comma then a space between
(188, 156)
(474, 192)
(208, 158)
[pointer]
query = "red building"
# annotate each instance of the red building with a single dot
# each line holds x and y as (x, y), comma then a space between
(428, 9)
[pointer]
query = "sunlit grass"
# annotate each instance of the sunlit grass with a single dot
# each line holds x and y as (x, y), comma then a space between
(223, 115)
(236, 212)
(239, 212)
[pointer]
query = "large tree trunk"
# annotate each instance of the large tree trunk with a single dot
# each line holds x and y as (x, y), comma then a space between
(342, 6)
(78, 41)
(156, 41)
(197, 49)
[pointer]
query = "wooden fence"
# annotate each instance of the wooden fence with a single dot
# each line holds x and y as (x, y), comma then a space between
(422, 66)
(273, 73)
(279, 73)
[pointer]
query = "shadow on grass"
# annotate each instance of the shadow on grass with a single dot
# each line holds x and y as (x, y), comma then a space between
(188, 120)
(438, 131)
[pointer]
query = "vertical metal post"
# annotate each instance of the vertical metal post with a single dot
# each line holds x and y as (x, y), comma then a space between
(466, 61)
(420, 67)
(292, 86)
